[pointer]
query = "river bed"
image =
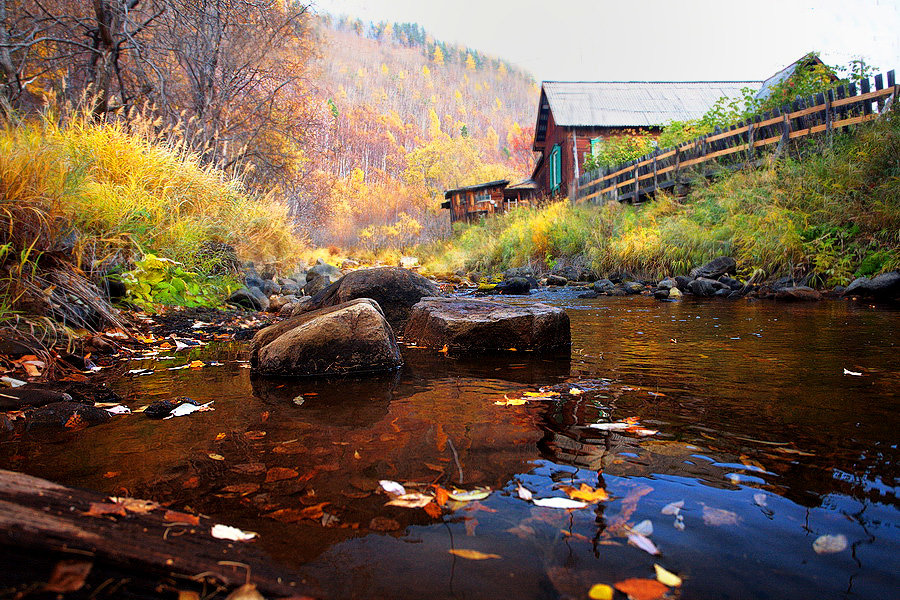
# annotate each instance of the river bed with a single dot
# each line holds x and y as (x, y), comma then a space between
(775, 426)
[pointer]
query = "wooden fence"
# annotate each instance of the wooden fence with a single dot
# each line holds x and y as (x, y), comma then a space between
(741, 143)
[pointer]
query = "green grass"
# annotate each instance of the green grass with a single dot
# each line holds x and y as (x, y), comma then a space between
(830, 211)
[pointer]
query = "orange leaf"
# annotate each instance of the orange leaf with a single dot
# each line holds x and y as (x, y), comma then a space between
(642, 589)
(254, 435)
(586, 493)
(264, 416)
(179, 517)
(280, 474)
(434, 511)
(76, 421)
(241, 488)
(98, 509)
(191, 483)
(292, 515)
(441, 495)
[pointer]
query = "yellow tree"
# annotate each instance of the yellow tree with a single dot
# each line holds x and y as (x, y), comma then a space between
(438, 55)
(470, 62)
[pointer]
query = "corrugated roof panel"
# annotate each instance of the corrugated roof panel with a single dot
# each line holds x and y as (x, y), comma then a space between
(635, 103)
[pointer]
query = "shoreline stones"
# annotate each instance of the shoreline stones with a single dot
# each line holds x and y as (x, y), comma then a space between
(352, 337)
(485, 325)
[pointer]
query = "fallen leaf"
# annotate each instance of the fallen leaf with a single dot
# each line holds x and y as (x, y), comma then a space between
(576, 392)
(468, 496)
(435, 468)
(600, 591)
(179, 517)
(759, 499)
(558, 503)
(511, 401)
(226, 532)
(540, 394)
(247, 591)
(411, 500)
(68, 576)
(667, 577)
(644, 543)
(830, 544)
(249, 468)
(645, 527)
(433, 510)
(192, 482)
(280, 474)
(188, 595)
(642, 589)
(220, 437)
(76, 421)
(241, 488)
(440, 495)
(719, 516)
(383, 524)
(135, 505)
(524, 493)
(392, 487)
(854, 373)
(472, 554)
(216, 456)
(99, 509)
(293, 515)
(111, 474)
(586, 493)
(254, 435)
(672, 508)
(610, 426)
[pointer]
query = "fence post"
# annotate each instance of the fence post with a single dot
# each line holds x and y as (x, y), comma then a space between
(750, 133)
(637, 188)
(655, 180)
(677, 162)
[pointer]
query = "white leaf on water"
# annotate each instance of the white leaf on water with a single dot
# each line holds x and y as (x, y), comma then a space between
(679, 523)
(645, 527)
(118, 410)
(183, 410)
(829, 544)
(644, 543)
(11, 382)
(468, 496)
(181, 346)
(854, 373)
(672, 508)
(410, 500)
(666, 577)
(226, 532)
(610, 426)
(558, 503)
(759, 499)
(392, 487)
(524, 493)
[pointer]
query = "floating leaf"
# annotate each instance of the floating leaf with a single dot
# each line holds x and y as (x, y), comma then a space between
(586, 493)
(672, 508)
(830, 544)
(759, 499)
(644, 543)
(645, 527)
(558, 503)
(280, 474)
(249, 468)
(468, 496)
(99, 509)
(540, 394)
(392, 487)
(410, 500)
(610, 426)
(642, 589)
(853, 373)
(135, 505)
(667, 577)
(524, 493)
(472, 554)
(600, 591)
(216, 456)
(179, 517)
(293, 515)
(719, 516)
(197, 364)
(434, 511)
(577, 392)
(226, 532)
(441, 495)
(511, 401)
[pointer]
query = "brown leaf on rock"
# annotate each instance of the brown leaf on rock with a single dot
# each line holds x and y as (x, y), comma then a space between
(249, 468)
(173, 516)
(191, 483)
(241, 489)
(135, 505)
(99, 509)
(254, 435)
(68, 576)
(642, 589)
(293, 515)
(280, 474)
(76, 421)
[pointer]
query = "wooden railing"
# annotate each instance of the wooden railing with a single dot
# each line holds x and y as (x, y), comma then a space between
(742, 143)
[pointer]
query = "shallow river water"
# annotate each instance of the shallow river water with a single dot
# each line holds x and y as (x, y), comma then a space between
(765, 444)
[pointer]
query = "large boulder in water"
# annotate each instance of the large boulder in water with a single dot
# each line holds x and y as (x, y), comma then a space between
(65, 415)
(348, 338)
(715, 268)
(883, 287)
(396, 291)
(320, 277)
(474, 324)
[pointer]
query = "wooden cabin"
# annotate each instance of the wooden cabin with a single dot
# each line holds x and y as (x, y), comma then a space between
(573, 117)
(475, 201)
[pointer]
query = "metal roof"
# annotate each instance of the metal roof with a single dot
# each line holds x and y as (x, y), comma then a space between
(630, 103)
(807, 60)
(472, 188)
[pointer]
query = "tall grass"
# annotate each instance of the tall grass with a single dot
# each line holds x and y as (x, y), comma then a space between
(831, 210)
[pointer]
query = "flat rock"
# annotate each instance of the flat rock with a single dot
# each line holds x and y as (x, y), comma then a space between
(348, 338)
(474, 324)
(883, 287)
(715, 268)
(798, 293)
(65, 415)
(396, 291)
(15, 398)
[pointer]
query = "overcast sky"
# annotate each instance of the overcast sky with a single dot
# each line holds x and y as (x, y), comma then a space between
(678, 40)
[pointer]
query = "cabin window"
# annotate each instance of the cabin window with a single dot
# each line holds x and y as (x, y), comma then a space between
(595, 145)
(555, 168)
(482, 197)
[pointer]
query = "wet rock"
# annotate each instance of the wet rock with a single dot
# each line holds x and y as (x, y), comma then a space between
(395, 290)
(734, 284)
(475, 324)
(667, 284)
(276, 303)
(16, 398)
(675, 293)
(683, 283)
(799, 293)
(661, 294)
(703, 287)
(348, 338)
(882, 287)
(290, 286)
(603, 286)
(525, 272)
(633, 287)
(160, 409)
(715, 268)
(287, 310)
(617, 292)
(270, 288)
(516, 286)
(253, 281)
(65, 415)
(556, 280)
(723, 292)
(250, 298)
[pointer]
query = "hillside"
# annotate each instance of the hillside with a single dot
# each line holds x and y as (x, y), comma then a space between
(404, 117)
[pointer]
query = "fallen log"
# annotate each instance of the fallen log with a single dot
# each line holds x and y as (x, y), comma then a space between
(57, 540)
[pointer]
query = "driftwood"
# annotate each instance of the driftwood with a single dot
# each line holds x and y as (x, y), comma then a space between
(57, 540)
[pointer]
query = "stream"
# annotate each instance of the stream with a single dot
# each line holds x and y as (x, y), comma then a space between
(775, 425)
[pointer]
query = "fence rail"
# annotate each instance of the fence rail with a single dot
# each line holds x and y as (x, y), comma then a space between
(743, 142)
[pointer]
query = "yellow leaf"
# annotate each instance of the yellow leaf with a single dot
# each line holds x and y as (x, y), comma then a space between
(473, 554)
(216, 456)
(540, 394)
(600, 591)
(586, 493)
(220, 437)
(667, 577)
(511, 401)
(468, 496)
(197, 364)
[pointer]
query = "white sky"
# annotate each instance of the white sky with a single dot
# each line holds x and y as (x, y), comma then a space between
(678, 40)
